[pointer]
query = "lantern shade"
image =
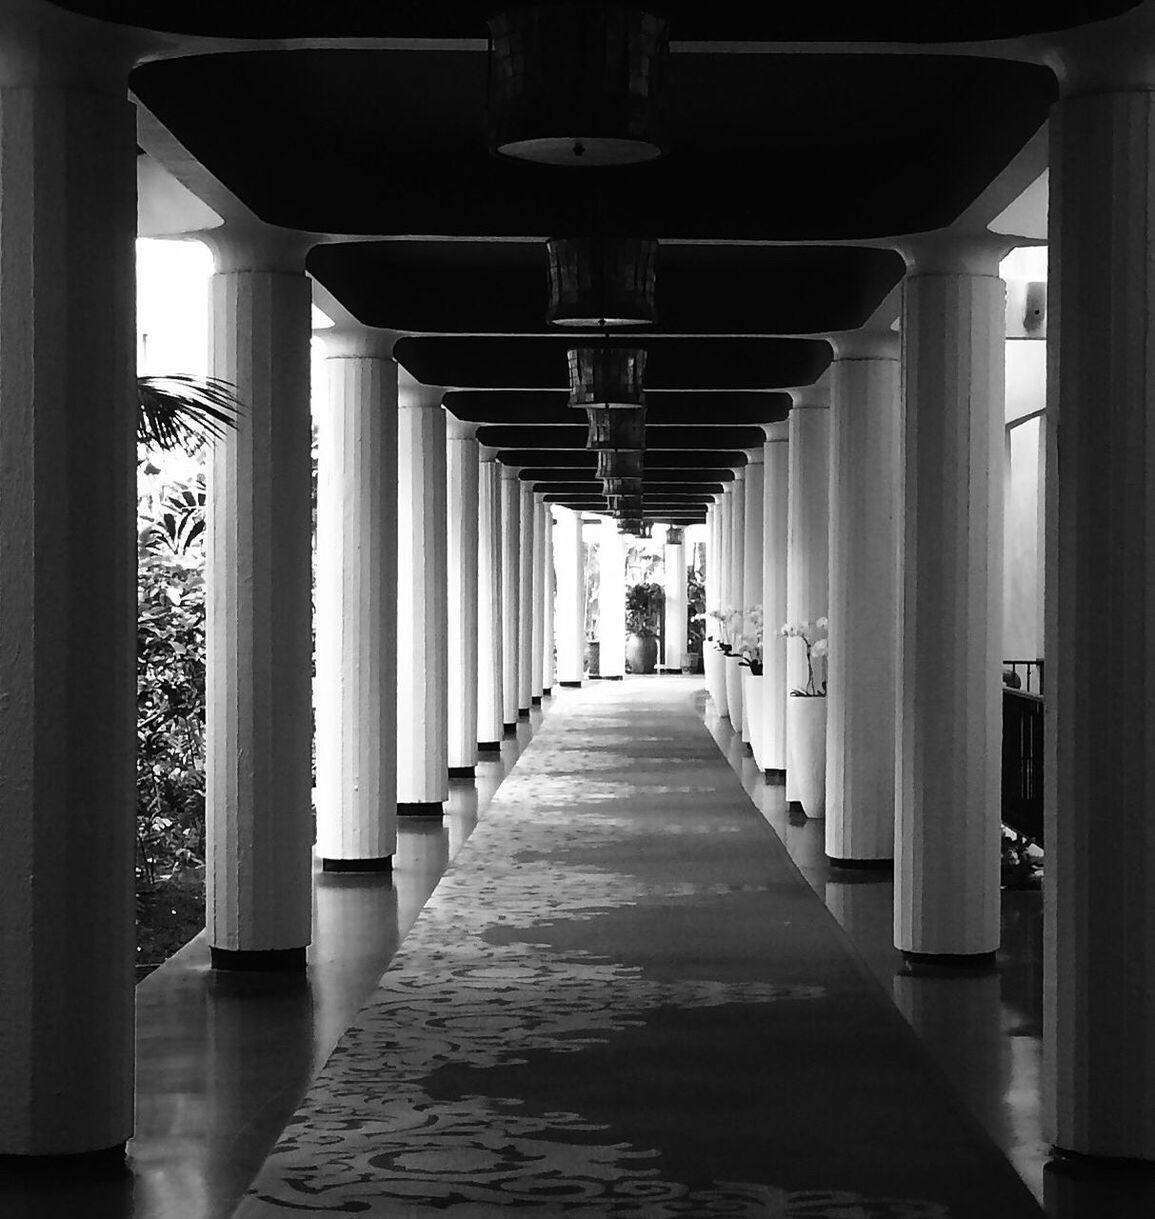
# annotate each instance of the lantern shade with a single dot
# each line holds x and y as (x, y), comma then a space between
(606, 376)
(621, 463)
(622, 486)
(577, 84)
(635, 525)
(597, 282)
(675, 535)
(617, 428)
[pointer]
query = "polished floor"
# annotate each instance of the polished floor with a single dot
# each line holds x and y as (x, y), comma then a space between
(224, 1061)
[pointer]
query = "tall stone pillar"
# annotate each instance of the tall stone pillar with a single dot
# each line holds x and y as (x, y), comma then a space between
(676, 597)
(356, 625)
(537, 587)
(738, 548)
(525, 601)
(865, 474)
(490, 624)
(549, 644)
(258, 629)
(1099, 979)
(752, 527)
(775, 459)
(718, 627)
(462, 542)
(571, 610)
(807, 544)
(612, 600)
(67, 587)
(510, 596)
(949, 729)
(422, 604)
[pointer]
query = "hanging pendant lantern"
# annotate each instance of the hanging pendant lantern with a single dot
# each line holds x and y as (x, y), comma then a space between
(606, 376)
(636, 526)
(577, 84)
(618, 428)
(598, 282)
(675, 535)
(621, 463)
(616, 486)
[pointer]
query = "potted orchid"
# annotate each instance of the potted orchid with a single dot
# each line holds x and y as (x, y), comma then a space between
(806, 720)
(749, 647)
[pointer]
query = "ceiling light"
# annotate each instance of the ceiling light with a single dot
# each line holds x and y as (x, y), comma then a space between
(599, 282)
(616, 427)
(606, 376)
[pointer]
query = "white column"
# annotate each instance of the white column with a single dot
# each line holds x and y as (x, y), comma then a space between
(422, 604)
(490, 624)
(676, 595)
(718, 628)
(752, 531)
(510, 595)
(776, 478)
(462, 537)
(67, 587)
(548, 659)
(571, 612)
(537, 592)
(807, 544)
(258, 799)
(1099, 980)
(865, 474)
(949, 729)
(612, 600)
(525, 603)
(738, 546)
(356, 625)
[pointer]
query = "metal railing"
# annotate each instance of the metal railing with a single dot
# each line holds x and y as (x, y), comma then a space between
(1023, 750)
(1029, 673)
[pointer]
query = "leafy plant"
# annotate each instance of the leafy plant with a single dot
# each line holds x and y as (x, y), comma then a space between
(180, 411)
(696, 603)
(644, 604)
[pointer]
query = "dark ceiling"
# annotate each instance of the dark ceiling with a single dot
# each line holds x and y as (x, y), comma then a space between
(764, 147)
(897, 21)
(491, 287)
(777, 162)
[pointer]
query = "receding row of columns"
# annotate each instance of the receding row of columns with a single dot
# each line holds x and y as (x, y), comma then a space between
(67, 665)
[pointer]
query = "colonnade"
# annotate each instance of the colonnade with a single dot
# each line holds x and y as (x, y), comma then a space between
(66, 584)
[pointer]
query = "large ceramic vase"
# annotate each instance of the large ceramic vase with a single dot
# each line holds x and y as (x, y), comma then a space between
(806, 752)
(641, 653)
(734, 692)
(715, 662)
(752, 712)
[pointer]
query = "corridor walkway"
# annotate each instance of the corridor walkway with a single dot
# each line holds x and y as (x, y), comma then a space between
(623, 999)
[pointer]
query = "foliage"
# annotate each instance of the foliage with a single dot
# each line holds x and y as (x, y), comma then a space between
(181, 411)
(696, 601)
(813, 638)
(749, 644)
(643, 560)
(644, 603)
(593, 584)
(170, 681)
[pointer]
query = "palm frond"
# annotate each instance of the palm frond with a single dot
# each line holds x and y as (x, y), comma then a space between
(180, 411)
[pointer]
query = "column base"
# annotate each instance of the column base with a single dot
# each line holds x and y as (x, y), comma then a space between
(949, 962)
(261, 960)
(489, 747)
(104, 1163)
(863, 865)
(462, 772)
(612, 677)
(535, 701)
(774, 776)
(380, 863)
(523, 713)
(509, 729)
(547, 692)
(570, 685)
(421, 808)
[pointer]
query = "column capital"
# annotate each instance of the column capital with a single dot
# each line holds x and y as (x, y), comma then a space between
(866, 345)
(955, 254)
(358, 343)
(459, 429)
(811, 397)
(1106, 57)
(739, 474)
(510, 473)
(257, 247)
(486, 452)
(44, 47)
(754, 456)
(776, 433)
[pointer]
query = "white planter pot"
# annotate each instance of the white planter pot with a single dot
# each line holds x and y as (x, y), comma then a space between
(752, 694)
(806, 753)
(715, 665)
(734, 691)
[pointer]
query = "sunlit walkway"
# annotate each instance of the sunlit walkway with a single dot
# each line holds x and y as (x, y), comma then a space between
(623, 999)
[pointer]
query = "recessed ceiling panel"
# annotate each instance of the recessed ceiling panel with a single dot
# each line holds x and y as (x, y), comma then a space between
(765, 146)
(897, 21)
(673, 364)
(490, 287)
